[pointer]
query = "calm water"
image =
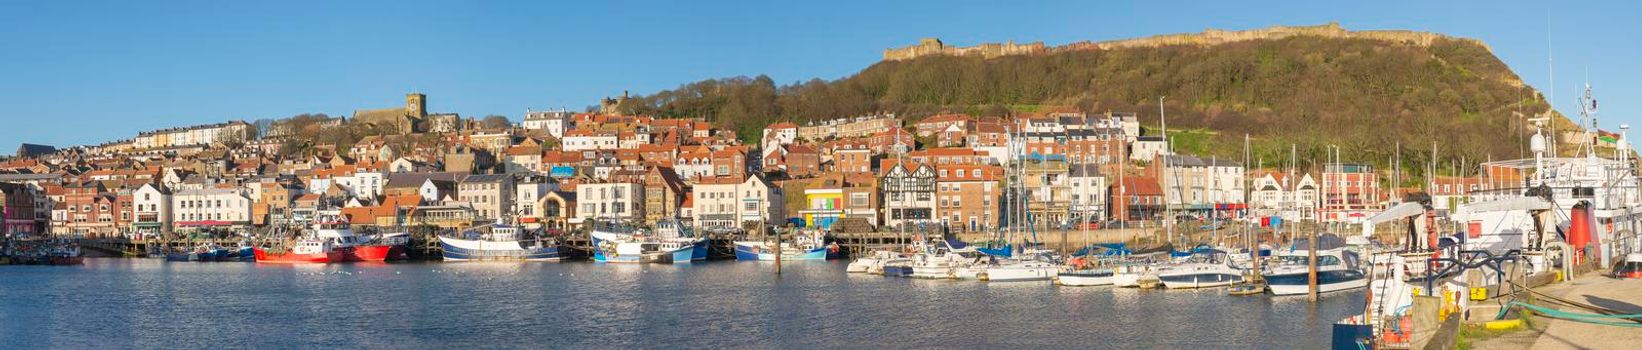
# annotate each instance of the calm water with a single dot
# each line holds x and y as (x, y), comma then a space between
(144, 303)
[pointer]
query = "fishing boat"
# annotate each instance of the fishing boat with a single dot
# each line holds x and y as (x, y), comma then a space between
(181, 256)
(1204, 269)
(210, 252)
(615, 243)
(502, 243)
(305, 251)
(384, 247)
(244, 252)
(66, 254)
(809, 245)
(673, 231)
(1337, 268)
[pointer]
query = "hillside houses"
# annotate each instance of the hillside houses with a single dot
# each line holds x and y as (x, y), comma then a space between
(559, 170)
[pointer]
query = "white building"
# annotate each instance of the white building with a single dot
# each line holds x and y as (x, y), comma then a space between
(908, 194)
(151, 206)
(777, 135)
(582, 140)
(211, 207)
(725, 203)
(1279, 194)
(198, 135)
(554, 122)
(527, 194)
(1147, 148)
(362, 184)
(1089, 192)
(610, 201)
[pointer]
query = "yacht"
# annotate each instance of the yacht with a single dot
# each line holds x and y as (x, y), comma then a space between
(1204, 269)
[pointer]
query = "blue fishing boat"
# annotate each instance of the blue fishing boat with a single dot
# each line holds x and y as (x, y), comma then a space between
(671, 230)
(179, 256)
(616, 243)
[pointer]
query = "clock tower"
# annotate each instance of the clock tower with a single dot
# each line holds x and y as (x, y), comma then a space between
(416, 105)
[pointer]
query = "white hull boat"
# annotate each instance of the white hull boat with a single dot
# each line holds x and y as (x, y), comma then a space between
(1019, 272)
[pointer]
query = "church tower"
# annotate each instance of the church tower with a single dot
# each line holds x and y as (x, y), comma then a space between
(416, 105)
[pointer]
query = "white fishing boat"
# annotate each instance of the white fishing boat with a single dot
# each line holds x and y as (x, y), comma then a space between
(501, 243)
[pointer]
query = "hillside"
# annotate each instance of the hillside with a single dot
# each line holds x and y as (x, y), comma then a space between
(1365, 93)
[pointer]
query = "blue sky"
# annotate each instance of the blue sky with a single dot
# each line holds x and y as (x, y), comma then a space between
(78, 72)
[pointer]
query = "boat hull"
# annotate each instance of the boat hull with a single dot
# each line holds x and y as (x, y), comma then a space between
(699, 252)
(66, 260)
(381, 252)
(1198, 280)
(469, 250)
(756, 251)
(932, 272)
(1018, 274)
(335, 255)
(862, 265)
(1327, 281)
(898, 270)
(1085, 279)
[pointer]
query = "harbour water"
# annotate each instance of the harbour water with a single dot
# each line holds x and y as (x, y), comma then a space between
(147, 303)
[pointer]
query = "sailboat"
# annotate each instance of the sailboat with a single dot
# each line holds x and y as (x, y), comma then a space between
(1033, 264)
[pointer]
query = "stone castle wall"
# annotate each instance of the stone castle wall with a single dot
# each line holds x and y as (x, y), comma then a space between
(1206, 38)
(929, 46)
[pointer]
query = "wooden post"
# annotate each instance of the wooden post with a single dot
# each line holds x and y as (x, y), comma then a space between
(778, 251)
(1311, 267)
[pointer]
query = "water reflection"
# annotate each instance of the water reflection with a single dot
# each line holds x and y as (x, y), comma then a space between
(148, 304)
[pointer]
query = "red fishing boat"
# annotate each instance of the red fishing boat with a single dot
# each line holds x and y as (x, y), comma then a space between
(385, 247)
(310, 251)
